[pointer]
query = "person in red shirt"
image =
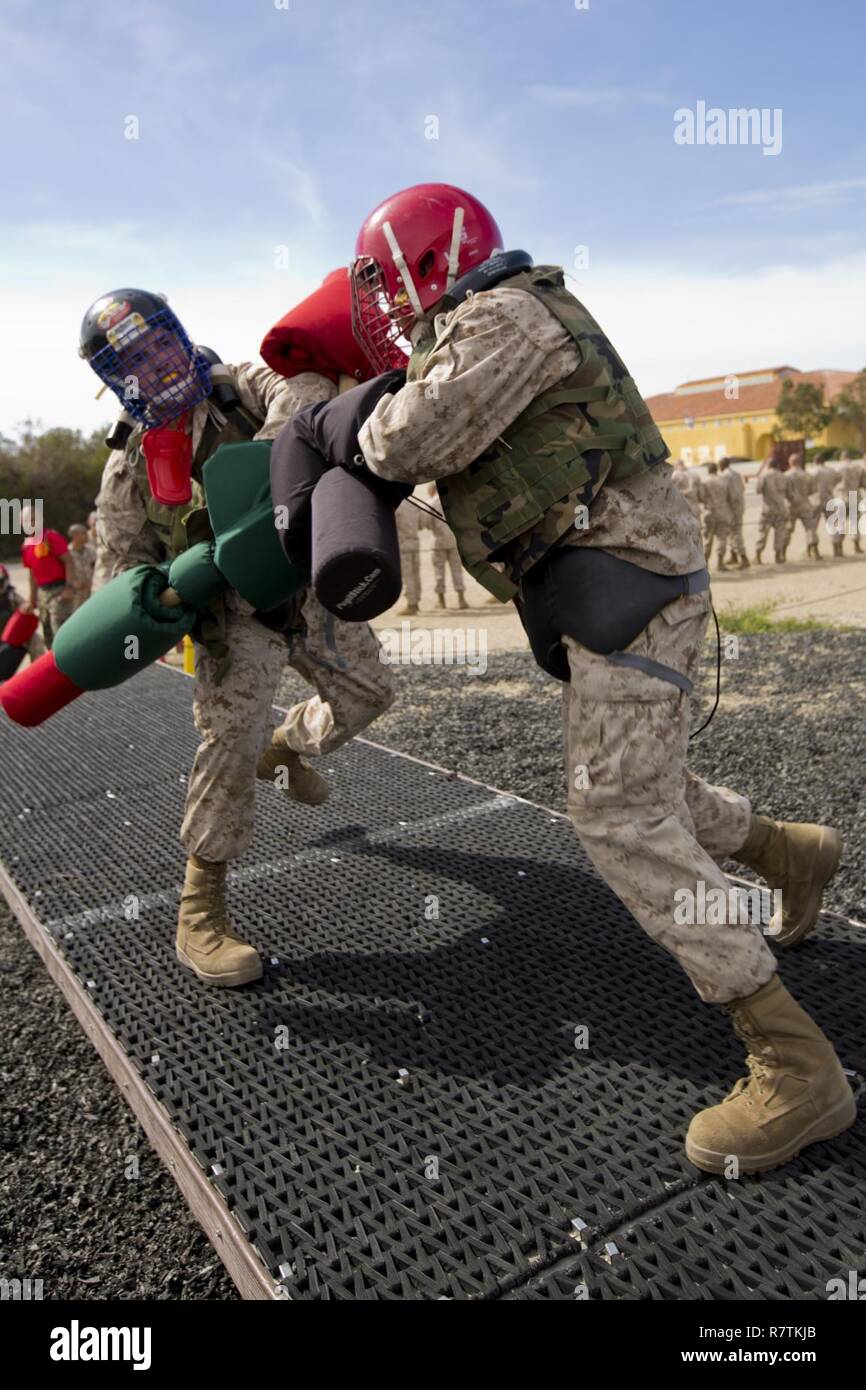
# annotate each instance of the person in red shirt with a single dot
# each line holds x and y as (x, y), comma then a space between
(44, 556)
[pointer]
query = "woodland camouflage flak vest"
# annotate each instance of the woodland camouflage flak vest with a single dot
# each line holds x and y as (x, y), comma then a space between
(589, 430)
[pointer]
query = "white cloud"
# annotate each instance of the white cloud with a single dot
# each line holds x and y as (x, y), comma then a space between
(553, 95)
(672, 325)
(800, 196)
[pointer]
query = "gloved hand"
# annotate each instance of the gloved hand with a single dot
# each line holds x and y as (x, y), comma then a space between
(332, 514)
(332, 427)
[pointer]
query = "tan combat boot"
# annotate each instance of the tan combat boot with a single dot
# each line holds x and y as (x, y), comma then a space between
(798, 858)
(408, 610)
(857, 545)
(205, 940)
(837, 550)
(744, 562)
(440, 601)
(291, 772)
(795, 1094)
(758, 554)
(461, 600)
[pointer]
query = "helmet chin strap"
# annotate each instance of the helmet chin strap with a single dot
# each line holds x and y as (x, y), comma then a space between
(400, 263)
(454, 253)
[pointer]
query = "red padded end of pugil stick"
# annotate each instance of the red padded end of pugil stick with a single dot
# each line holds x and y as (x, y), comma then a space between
(37, 692)
(19, 629)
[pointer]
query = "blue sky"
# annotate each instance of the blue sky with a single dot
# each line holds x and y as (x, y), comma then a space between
(262, 127)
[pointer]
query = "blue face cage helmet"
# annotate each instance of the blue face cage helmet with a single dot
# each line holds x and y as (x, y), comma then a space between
(137, 345)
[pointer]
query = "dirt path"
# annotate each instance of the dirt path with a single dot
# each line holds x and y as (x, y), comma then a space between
(832, 590)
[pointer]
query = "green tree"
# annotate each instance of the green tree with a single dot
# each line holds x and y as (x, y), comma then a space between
(62, 467)
(802, 409)
(850, 404)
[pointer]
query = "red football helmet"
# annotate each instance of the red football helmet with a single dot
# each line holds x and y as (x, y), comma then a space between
(408, 253)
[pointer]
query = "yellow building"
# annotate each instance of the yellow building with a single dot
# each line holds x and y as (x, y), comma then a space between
(735, 416)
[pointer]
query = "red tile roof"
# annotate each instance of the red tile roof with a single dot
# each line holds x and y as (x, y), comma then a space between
(666, 409)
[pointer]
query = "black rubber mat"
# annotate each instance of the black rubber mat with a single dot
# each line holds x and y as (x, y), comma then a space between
(399, 1108)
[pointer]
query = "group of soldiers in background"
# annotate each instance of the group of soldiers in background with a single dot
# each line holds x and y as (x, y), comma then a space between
(60, 570)
(799, 493)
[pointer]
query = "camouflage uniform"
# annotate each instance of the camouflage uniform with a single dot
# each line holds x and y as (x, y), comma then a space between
(714, 493)
(9, 599)
(851, 489)
(79, 568)
(737, 501)
(408, 520)
(823, 480)
(686, 484)
(800, 505)
(444, 552)
(54, 609)
(772, 488)
(650, 826)
(233, 707)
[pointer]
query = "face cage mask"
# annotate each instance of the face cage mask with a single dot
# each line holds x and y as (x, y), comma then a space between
(153, 369)
(377, 324)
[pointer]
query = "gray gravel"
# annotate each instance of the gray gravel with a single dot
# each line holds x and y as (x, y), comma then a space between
(789, 734)
(69, 1215)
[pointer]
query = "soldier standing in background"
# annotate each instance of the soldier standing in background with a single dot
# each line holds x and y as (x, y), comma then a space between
(718, 514)
(801, 506)
(444, 551)
(46, 557)
(850, 488)
(823, 480)
(408, 519)
(737, 499)
(686, 485)
(10, 602)
(772, 488)
(80, 562)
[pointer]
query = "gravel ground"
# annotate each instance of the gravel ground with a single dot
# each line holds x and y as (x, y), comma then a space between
(789, 734)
